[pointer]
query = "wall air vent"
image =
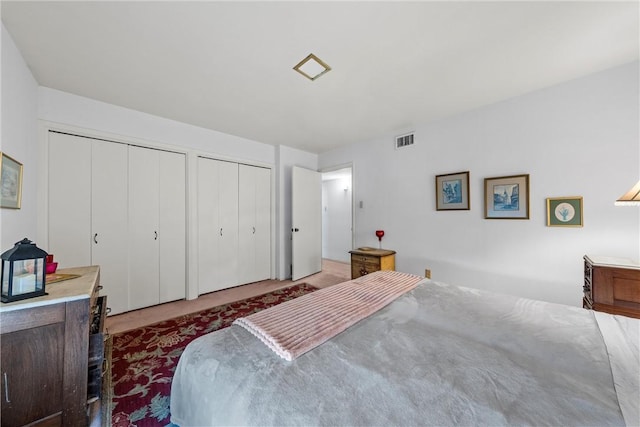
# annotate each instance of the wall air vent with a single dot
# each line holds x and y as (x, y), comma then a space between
(404, 140)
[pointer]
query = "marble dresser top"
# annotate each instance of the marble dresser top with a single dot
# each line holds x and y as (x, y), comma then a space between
(68, 290)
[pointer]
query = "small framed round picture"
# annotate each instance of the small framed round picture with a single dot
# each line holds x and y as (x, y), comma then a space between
(564, 212)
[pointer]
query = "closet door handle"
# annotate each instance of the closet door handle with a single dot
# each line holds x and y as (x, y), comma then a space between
(95, 238)
(254, 230)
(155, 235)
(221, 231)
(6, 388)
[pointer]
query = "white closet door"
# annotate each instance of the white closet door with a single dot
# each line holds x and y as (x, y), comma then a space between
(69, 190)
(207, 223)
(217, 225)
(253, 232)
(144, 271)
(173, 223)
(246, 223)
(226, 263)
(109, 221)
(263, 224)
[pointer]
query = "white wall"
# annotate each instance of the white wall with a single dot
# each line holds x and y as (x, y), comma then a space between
(287, 159)
(19, 140)
(579, 138)
(336, 219)
(69, 109)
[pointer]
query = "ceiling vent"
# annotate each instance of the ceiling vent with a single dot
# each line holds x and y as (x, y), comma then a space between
(404, 141)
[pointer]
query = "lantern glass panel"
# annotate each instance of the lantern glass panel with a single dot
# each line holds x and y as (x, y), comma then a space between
(27, 276)
(6, 273)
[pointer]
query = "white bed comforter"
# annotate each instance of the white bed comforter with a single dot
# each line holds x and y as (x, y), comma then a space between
(438, 355)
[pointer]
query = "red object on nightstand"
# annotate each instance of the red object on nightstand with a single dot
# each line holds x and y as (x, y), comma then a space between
(380, 234)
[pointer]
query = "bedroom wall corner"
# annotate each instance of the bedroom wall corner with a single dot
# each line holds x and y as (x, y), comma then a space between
(19, 139)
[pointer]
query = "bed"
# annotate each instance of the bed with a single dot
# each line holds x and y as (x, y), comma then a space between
(437, 354)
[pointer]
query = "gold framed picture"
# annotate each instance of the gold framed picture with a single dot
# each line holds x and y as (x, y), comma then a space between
(506, 197)
(564, 212)
(452, 191)
(10, 182)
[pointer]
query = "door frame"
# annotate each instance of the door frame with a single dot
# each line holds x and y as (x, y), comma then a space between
(351, 166)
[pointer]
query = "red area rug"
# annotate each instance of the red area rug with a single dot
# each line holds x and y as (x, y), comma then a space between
(143, 360)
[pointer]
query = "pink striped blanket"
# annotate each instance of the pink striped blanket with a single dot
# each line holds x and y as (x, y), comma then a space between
(294, 327)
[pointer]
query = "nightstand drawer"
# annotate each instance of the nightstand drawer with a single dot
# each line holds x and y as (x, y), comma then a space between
(370, 261)
(360, 268)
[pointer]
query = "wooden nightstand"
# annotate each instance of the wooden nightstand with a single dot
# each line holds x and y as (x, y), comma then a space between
(365, 261)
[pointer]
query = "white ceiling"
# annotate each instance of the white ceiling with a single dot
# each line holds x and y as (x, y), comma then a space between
(228, 65)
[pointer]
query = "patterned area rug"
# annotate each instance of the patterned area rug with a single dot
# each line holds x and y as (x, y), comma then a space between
(143, 360)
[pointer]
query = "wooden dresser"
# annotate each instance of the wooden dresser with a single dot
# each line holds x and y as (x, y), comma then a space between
(52, 351)
(612, 285)
(368, 260)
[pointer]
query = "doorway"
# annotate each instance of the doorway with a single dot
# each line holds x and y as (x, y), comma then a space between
(337, 214)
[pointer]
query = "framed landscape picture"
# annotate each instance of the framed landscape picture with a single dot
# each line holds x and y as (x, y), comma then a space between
(452, 191)
(506, 197)
(10, 182)
(564, 212)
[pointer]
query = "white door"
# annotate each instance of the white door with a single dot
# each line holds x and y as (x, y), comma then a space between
(254, 227)
(306, 220)
(69, 182)
(207, 223)
(263, 224)
(227, 262)
(217, 225)
(172, 226)
(109, 222)
(144, 272)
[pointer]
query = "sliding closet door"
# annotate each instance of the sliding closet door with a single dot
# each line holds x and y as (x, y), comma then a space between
(217, 225)
(226, 263)
(254, 227)
(69, 184)
(109, 222)
(173, 226)
(207, 223)
(88, 210)
(144, 271)
(262, 238)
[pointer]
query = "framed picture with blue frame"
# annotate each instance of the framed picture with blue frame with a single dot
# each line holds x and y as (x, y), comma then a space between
(452, 191)
(506, 197)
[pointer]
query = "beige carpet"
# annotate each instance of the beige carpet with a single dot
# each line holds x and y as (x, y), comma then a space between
(324, 280)
(333, 272)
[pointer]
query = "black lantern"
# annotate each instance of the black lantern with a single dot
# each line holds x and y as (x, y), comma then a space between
(23, 271)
